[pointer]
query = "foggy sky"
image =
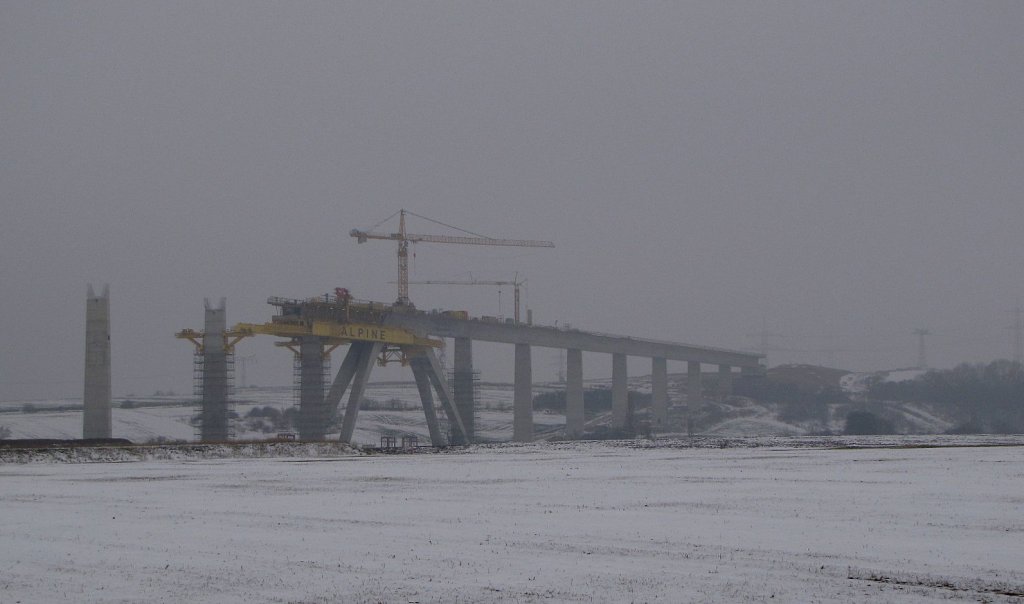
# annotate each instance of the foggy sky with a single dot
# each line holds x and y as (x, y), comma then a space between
(841, 173)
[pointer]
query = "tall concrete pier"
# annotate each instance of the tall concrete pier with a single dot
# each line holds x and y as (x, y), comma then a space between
(214, 390)
(621, 415)
(659, 393)
(312, 410)
(96, 420)
(574, 409)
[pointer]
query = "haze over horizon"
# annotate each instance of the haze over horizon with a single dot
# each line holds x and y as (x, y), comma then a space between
(837, 173)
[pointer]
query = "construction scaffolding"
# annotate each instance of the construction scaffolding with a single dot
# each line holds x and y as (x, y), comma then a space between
(214, 389)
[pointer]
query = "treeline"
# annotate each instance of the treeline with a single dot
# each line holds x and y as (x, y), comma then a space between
(795, 403)
(986, 398)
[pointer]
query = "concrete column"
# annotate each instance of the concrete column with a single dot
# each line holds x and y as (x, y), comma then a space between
(96, 419)
(420, 371)
(213, 412)
(367, 357)
(724, 380)
(312, 411)
(659, 393)
(463, 390)
(621, 417)
(343, 378)
(574, 415)
(694, 393)
(444, 394)
(522, 399)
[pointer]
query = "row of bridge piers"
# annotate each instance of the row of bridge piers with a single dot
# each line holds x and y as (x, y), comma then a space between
(316, 406)
(623, 418)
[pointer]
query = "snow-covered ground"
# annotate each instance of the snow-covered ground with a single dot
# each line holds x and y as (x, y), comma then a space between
(571, 522)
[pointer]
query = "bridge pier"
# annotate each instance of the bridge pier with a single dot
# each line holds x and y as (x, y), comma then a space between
(364, 365)
(436, 374)
(463, 385)
(342, 379)
(621, 419)
(421, 373)
(213, 412)
(694, 392)
(659, 393)
(96, 416)
(522, 397)
(574, 410)
(312, 412)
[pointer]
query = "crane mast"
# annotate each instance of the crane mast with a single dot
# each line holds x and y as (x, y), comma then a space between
(404, 238)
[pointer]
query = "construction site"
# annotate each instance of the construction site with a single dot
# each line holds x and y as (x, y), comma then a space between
(375, 333)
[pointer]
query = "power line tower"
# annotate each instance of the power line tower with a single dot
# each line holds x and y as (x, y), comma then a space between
(1018, 335)
(765, 340)
(922, 360)
(831, 350)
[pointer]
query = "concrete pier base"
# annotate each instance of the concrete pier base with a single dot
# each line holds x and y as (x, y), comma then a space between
(621, 416)
(522, 398)
(659, 393)
(574, 410)
(96, 418)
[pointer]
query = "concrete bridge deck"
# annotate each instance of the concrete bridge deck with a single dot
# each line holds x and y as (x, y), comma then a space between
(465, 330)
(554, 337)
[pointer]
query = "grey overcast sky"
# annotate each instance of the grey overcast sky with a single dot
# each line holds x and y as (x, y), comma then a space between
(837, 172)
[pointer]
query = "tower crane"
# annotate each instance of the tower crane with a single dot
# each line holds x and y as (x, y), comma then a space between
(405, 238)
(515, 283)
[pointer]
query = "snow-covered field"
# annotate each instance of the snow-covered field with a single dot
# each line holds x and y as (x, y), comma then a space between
(576, 522)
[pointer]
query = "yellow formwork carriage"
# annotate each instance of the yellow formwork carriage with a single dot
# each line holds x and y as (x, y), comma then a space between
(361, 332)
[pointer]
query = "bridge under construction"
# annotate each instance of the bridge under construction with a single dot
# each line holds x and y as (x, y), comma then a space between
(378, 333)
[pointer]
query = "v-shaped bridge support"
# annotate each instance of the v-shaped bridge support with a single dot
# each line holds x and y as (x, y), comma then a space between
(354, 374)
